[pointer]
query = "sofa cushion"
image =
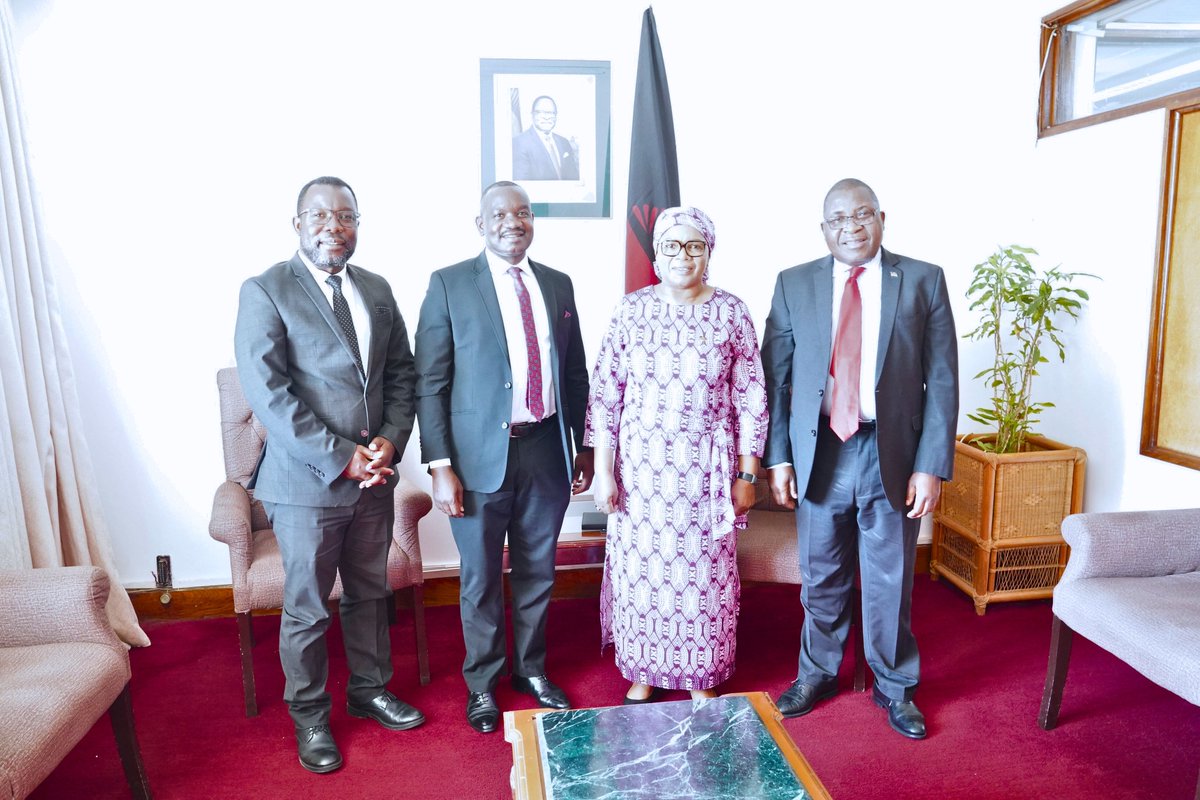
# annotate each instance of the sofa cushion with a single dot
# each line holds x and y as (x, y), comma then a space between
(48, 690)
(1152, 624)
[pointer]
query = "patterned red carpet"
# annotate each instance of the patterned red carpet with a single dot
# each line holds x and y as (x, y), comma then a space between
(1119, 735)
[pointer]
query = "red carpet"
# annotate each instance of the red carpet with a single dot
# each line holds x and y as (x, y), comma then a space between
(1119, 735)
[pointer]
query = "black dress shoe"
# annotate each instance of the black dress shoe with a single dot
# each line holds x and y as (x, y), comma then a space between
(482, 712)
(540, 688)
(800, 697)
(650, 698)
(318, 752)
(903, 715)
(389, 711)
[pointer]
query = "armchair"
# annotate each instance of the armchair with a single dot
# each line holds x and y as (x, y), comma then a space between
(61, 668)
(240, 522)
(1132, 587)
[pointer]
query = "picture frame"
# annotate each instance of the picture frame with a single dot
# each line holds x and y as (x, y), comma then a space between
(563, 158)
(1172, 397)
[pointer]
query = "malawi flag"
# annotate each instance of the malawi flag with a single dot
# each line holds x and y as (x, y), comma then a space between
(653, 163)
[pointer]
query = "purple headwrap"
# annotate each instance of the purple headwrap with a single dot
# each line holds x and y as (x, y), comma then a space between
(684, 215)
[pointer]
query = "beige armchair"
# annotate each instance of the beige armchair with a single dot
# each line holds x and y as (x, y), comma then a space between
(61, 668)
(1132, 587)
(239, 521)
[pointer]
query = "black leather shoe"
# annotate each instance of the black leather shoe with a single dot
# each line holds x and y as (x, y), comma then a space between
(903, 715)
(540, 688)
(482, 712)
(389, 711)
(800, 697)
(650, 698)
(318, 752)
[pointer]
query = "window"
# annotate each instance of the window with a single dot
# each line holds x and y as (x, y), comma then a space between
(1109, 58)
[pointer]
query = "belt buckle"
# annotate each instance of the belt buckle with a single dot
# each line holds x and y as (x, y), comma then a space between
(519, 429)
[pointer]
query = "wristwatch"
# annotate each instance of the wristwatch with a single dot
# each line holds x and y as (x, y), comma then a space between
(747, 477)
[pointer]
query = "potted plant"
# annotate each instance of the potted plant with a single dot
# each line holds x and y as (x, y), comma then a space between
(996, 529)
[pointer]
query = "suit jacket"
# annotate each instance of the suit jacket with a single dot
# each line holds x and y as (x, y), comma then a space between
(916, 379)
(531, 160)
(298, 374)
(464, 379)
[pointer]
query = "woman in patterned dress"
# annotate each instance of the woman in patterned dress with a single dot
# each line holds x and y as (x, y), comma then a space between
(678, 419)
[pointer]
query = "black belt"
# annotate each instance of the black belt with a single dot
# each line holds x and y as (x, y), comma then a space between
(863, 424)
(519, 430)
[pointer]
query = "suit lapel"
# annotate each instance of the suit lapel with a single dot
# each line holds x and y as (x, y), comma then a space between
(892, 278)
(822, 293)
(552, 312)
(379, 338)
(314, 292)
(487, 295)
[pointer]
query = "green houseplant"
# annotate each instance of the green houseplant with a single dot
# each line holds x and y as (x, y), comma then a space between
(1017, 308)
(996, 528)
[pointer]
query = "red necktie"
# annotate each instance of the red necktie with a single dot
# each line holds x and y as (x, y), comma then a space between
(846, 364)
(533, 387)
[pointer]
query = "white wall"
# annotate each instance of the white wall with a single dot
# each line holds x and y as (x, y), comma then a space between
(169, 144)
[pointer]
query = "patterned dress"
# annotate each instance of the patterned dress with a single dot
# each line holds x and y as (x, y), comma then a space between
(678, 392)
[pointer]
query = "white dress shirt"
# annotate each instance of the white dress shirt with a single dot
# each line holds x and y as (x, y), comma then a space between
(870, 289)
(514, 332)
(358, 306)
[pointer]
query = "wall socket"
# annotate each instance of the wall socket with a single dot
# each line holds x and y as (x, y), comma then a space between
(162, 576)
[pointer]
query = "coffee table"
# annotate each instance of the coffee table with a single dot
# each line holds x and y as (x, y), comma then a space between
(726, 747)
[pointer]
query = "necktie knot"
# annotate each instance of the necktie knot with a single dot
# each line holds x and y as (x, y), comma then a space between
(335, 281)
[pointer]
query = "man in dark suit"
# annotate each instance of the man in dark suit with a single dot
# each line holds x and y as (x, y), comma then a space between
(324, 361)
(861, 361)
(501, 395)
(539, 154)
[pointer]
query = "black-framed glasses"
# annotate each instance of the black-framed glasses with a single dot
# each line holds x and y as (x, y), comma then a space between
(863, 216)
(322, 216)
(671, 247)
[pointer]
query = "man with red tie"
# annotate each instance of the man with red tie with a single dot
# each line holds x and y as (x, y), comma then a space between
(861, 363)
(502, 387)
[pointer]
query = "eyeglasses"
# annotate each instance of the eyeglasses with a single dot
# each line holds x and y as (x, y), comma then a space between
(322, 216)
(861, 217)
(671, 247)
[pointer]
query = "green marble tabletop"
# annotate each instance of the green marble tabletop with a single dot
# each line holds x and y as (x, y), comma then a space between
(717, 748)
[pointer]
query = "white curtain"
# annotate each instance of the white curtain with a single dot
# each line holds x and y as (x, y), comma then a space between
(50, 514)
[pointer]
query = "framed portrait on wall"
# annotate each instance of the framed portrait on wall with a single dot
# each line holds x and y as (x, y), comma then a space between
(545, 125)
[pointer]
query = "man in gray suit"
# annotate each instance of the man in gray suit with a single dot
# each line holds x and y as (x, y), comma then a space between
(502, 387)
(861, 361)
(324, 361)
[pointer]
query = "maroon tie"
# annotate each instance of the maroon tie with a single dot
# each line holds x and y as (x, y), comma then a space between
(533, 387)
(846, 364)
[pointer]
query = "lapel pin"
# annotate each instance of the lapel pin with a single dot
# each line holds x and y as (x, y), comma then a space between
(893, 273)
(566, 315)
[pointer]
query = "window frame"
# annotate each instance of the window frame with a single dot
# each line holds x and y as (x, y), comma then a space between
(1050, 52)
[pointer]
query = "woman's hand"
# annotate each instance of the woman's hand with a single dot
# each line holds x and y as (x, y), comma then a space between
(604, 489)
(742, 495)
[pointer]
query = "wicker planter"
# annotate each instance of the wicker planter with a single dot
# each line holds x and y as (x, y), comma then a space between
(996, 530)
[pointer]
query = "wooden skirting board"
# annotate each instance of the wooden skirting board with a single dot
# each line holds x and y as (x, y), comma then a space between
(200, 602)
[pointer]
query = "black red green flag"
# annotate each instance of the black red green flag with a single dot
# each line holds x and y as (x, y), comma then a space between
(653, 163)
